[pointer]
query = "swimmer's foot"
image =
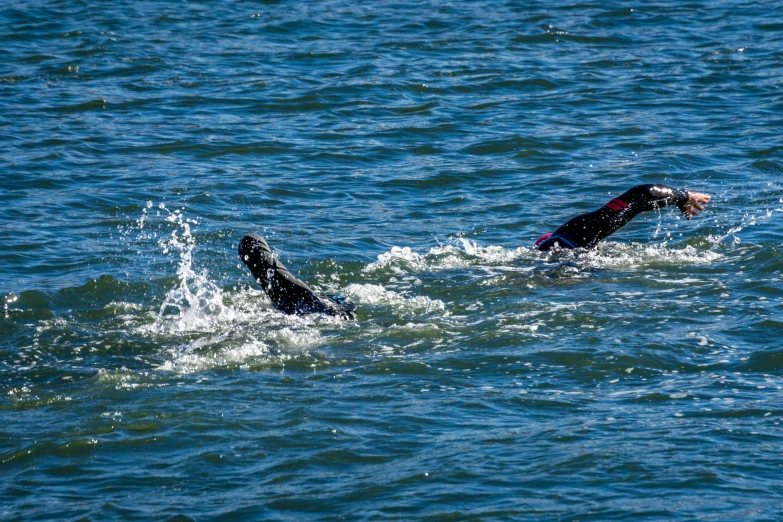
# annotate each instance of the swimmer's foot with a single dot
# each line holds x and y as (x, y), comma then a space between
(252, 245)
(288, 294)
(256, 254)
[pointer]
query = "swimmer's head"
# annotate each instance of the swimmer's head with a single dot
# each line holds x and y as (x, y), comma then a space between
(542, 239)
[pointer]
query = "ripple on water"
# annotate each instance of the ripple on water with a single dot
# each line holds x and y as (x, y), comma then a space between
(406, 156)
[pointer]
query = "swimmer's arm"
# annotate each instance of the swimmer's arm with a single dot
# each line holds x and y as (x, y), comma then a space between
(643, 198)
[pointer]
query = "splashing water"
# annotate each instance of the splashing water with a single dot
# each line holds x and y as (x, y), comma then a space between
(635, 255)
(196, 304)
(370, 294)
(402, 261)
(212, 327)
(748, 219)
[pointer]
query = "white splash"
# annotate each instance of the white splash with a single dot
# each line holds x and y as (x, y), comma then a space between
(368, 294)
(197, 303)
(189, 359)
(466, 253)
(396, 259)
(634, 255)
(490, 254)
(748, 219)
(210, 326)
(402, 261)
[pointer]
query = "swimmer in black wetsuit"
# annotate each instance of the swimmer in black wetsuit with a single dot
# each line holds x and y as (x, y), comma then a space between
(587, 230)
(288, 294)
(293, 296)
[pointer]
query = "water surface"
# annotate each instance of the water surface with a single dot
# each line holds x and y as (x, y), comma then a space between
(406, 155)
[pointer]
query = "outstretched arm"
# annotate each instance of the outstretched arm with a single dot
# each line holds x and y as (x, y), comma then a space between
(650, 197)
(643, 198)
(588, 229)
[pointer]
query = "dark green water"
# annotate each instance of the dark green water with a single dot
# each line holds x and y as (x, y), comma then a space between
(406, 155)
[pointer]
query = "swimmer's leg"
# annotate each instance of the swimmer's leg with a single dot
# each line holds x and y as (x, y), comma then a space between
(288, 294)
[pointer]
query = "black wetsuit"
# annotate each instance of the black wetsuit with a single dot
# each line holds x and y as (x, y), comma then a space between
(587, 230)
(293, 296)
(288, 294)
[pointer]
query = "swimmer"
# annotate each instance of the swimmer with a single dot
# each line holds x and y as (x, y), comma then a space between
(288, 294)
(293, 296)
(587, 230)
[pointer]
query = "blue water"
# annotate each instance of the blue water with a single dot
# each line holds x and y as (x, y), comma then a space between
(406, 155)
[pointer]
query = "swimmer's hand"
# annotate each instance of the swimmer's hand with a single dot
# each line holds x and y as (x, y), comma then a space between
(695, 204)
